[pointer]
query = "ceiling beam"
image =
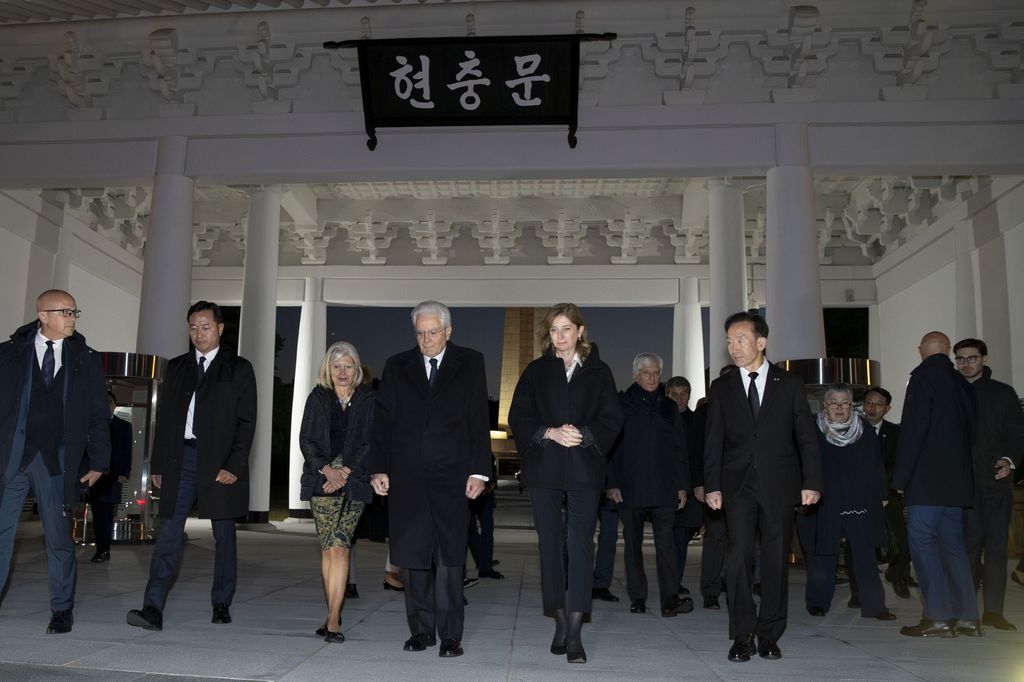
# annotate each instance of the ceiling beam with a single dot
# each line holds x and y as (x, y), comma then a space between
(55, 6)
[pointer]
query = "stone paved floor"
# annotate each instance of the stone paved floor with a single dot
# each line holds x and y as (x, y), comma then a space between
(278, 606)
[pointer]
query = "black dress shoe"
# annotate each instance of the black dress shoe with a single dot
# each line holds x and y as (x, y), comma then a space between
(450, 648)
(711, 602)
(742, 648)
(638, 606)
(816, 611)
(60, 622)
(767, 648)
(492, 574)
(929, 628)
(854, 602)
(351, 592)
(603, 593)
(419, 642)
(147, 618)
(884, 614)
(901, 589)
(100, 557)
(221, 614)
(997, 621)
(322, 630)
(969, 628)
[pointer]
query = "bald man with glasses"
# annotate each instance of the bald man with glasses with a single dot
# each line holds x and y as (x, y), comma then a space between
(54, 418)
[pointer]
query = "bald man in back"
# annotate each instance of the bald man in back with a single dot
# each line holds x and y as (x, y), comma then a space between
(935, 472)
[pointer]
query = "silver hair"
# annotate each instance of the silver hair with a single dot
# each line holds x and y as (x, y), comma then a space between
(644, 359)
(833, 389)
(433, 308)
(339, 349)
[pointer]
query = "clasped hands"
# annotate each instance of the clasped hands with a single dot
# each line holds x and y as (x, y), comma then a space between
(807, 497)
(565, 435)
(381, 484)
(336, 478)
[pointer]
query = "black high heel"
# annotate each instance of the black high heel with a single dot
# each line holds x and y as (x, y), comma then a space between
(322, 630)
(558, 642)
(573, 643)
(334, 637)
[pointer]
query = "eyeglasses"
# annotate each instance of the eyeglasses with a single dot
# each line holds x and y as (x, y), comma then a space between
(65, 312)
(967, 359)
(431, 333)
(845, 404)
(875, 403)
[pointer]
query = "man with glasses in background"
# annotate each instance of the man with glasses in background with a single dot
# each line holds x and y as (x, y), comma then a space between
(430, 451)
(54, 413)
(997, 451)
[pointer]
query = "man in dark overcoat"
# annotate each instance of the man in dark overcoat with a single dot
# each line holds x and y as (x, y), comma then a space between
(431, 451)
(935, 472)
(205, 422)
(53, 413)
(105, 495)
(761, 457)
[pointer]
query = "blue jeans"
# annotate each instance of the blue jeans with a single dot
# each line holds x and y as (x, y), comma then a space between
(168, 546)
(940, 559)
(60, 549)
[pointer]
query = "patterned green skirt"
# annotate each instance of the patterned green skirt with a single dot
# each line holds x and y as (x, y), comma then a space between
(336, 517)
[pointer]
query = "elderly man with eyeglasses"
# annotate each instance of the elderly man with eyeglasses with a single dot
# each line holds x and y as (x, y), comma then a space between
(997, 451)
(54, 419)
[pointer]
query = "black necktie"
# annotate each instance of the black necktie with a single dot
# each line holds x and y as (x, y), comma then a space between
(433, 371)
(48, 365)
(200, 371)
(755, 402)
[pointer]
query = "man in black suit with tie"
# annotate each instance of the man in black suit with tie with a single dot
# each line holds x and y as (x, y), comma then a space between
(761, 457)
(431, 450)
(877, 403)
(205, 423)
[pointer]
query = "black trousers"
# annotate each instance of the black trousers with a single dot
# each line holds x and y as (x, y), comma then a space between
(663, 522)
(986, 528)
(433, 600)
(899, 546)
(748, 518)
(103, 524)
(560, 536)
(712, 560)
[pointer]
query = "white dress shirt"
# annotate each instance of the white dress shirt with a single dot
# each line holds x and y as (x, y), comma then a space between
(759, 383)
(189, 435)
(571, 369)
(58, 346)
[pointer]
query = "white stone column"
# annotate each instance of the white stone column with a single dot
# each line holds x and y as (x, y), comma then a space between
(688, 338)
(792, 278)
(727, 260)
(965, 303)
(256, 333)
(309, 353)
(167, 268)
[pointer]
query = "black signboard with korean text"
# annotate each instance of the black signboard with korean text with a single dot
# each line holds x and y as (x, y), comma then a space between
(503, 80)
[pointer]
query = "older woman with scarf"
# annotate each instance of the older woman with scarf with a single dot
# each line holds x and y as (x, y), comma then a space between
(851, 505)
(335, 441)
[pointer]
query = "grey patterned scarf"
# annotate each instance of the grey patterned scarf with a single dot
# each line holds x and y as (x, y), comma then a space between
(841, 434)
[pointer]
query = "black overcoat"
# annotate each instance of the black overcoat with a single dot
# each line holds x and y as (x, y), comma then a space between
(108, 488)
(86, 436)
(782, 443)
(225, 416)
(315, 442)
(1000, 430)
(429, 440)
(649, 462)
(542, 399)
(934, 466)
(854, 478)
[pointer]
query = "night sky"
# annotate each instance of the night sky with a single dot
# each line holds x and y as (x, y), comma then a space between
(378, 333)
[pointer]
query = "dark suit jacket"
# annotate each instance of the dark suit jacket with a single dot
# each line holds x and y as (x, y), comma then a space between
(108, 488)
(543, 398)
(783, 442)
(889, 437)
(429, 440)
(86, 439)
(225, 416)
(934, 466)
